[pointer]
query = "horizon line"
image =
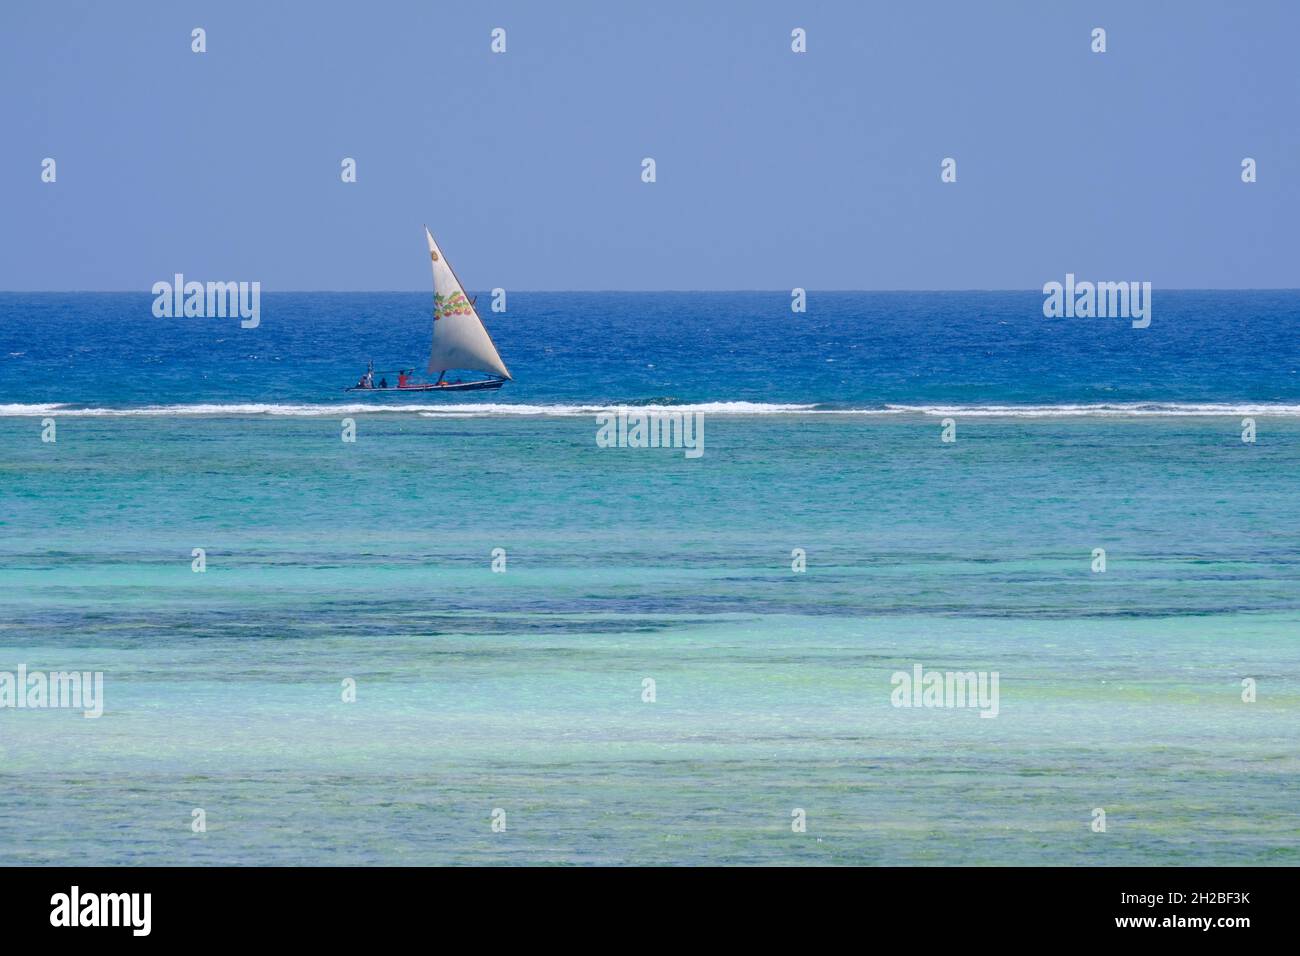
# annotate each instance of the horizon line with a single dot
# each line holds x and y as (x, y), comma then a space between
(640, 291)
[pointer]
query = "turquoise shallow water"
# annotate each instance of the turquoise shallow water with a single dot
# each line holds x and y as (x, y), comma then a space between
(522, 690)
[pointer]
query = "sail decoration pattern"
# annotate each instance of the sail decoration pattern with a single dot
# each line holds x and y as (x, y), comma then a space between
(459, 339)
(454, 304)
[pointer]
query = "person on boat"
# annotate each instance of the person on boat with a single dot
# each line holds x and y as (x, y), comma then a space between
(403, 379)
(383, 383)
(368, 380)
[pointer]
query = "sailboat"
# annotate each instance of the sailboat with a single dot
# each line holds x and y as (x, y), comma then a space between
(460, 341)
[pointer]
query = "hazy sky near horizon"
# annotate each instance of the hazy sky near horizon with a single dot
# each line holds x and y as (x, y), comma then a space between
(774, 169)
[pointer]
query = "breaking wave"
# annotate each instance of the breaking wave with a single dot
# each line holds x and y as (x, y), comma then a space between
(507, 410)
(358, 408)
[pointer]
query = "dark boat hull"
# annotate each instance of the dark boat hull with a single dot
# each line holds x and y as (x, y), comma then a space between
(485, 385)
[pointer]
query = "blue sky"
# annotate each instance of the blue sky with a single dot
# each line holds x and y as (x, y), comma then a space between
(775, 170)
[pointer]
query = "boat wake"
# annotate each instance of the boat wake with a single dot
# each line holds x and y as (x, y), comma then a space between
(509, 410)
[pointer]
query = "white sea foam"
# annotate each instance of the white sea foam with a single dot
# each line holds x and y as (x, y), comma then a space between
(506, 410)
(485, 410)
(9, 411)
(986, 411)
(708, 408)
(1134, 409)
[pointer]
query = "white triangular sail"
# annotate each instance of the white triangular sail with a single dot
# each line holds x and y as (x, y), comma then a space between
(459, 339)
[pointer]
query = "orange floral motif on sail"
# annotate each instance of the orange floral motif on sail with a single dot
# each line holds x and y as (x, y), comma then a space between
(454, 304)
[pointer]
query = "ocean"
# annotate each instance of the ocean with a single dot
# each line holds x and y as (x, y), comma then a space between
(676, 660)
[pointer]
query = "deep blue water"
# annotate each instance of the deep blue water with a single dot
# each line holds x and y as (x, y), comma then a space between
(849, 349)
